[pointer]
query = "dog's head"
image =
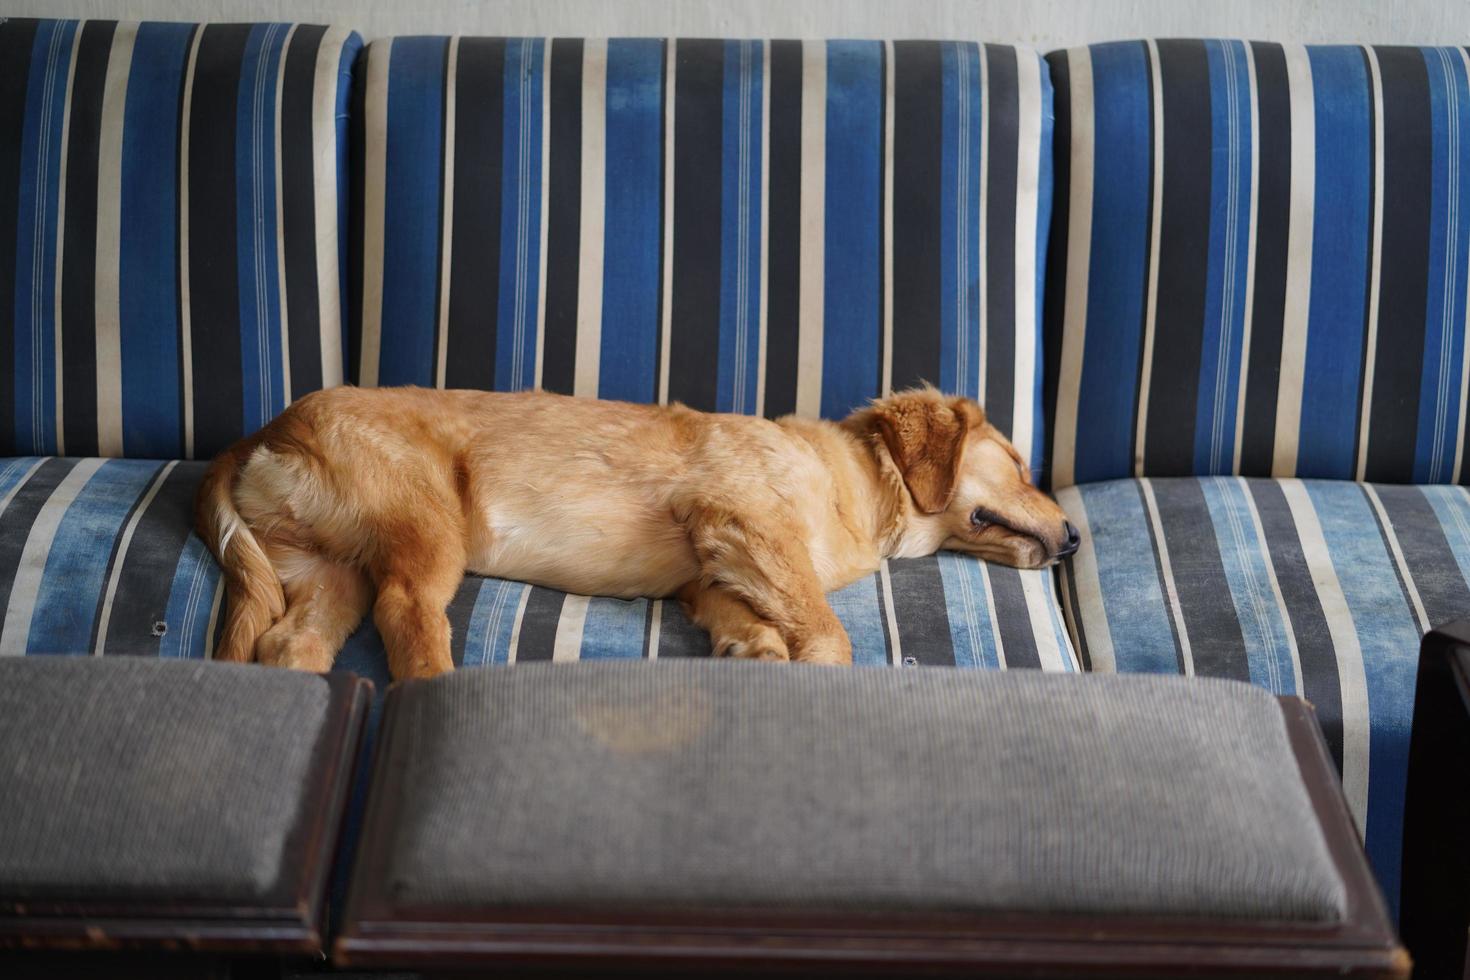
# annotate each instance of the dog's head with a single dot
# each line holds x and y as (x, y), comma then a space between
(968, 488)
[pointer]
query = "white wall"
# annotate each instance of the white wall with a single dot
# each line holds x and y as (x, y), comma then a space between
(1043, 23)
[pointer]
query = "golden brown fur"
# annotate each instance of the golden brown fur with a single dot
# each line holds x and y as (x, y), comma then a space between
(383, 498)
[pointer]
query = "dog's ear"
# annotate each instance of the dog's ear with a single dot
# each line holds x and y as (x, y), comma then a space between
(926, 436)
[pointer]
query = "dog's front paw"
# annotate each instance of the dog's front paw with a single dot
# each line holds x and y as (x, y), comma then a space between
(758, 642)
(833, 649)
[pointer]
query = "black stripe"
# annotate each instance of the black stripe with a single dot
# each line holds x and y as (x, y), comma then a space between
(1054, 305)
(474, 271)
(152, 560)
(1315, 651)
(1427, 552)
(1153, 541)
(357, 151)
(298, 211)
(678, 636)
(1004, 104)
(564, 217)
(462, 606)
(1183, 260)
(1013, 619)
(1273, 218)
(694, 344)
(214, 287)
(21, 514)
(78, 354)
(920, 611)
(783, 237)
(1077, 628)
(1215, 638)
(1393, 417)
(539, 621)
(888, 636)
(918, 137)
(17, 39)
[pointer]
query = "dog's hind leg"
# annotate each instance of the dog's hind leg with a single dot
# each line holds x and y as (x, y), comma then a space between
(325, 601)
(734, 628)
(416, 577)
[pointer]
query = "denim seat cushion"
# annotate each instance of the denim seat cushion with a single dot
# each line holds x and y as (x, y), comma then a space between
(1258, 264)
(747, 226)
(99, 556)
(1311, 587)
(171, 199)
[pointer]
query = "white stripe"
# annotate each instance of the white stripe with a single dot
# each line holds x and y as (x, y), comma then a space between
(375, 175)
(1241, 390)
(569, 626)
(515, 630)
(890, 615)
(214, 607)
(446, 210)
(1028, 175)
(1088, 587)
(32, 565)
(1151, 312)
(108, 279)
(1176, 610)
(888, 94)
(1370, 353)
(655, 627)
(1464, 388)
(666, 326)
(105, 616)
(1265, 549)
(1294, 317)
(324, 175)
(1037, 588)
(1398, 556)
(60, 351)
(543, 215)
(1079, 258)
(281, 227)
(1351, 675)
(811, 292)
(590, 233)
(186, 328)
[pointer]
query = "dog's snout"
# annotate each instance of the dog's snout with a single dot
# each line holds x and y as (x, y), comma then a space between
(1073, 540)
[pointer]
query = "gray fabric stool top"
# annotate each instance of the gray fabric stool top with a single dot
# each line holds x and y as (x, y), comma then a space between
(749, 785)
(151, 779)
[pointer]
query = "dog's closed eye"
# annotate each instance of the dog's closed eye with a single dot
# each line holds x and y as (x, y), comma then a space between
(981, 518)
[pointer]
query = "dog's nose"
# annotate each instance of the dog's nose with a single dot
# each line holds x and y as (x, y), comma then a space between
(1074, 541)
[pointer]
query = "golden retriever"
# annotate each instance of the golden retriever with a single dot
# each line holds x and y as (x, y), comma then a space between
(383, 498)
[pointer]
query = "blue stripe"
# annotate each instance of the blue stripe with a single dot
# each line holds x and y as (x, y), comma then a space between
(1389, 636)
(190, 601)
(343, 116)
(1340, 236)
(36, 225)
(632, 221)
(12, 471)
(1143, 637)
(1264, 631)
(1044, 202)
(520, 216)
(1117, 269)
(858, 608)
(1230, 198)
(959, 222)
(152, 398)
(1449, 245)
(740, 207)
(411, 210)
(492, 621)
(970, 614)
(854, 135)
(76, 564)
(614, 629)
(1452, 507)
(261, 367)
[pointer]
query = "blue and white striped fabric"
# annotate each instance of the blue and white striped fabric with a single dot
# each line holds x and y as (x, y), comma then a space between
(1319, 588)
(746, 226)
(170, 228)
(1258, 263)
(98, 556)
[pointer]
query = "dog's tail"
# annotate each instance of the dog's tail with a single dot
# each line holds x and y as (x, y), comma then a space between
(252, 588)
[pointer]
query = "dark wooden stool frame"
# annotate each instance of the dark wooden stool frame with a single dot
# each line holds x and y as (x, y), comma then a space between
(378, 933)
(288, 921)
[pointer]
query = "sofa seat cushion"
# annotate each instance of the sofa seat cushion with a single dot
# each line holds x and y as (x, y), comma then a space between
(98, 556)
(1309, 587)
(172, 198)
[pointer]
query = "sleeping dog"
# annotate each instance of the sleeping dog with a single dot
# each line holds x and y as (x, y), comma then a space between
(383, 498)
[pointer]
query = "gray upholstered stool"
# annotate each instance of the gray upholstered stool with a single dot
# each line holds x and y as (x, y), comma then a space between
(775, 814)
(182, 804)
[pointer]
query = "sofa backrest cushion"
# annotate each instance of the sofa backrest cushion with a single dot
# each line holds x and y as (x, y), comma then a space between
(1259, 263)
(747, 226)
(170, 214)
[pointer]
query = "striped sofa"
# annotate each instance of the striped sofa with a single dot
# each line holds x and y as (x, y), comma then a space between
(1215, 291)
